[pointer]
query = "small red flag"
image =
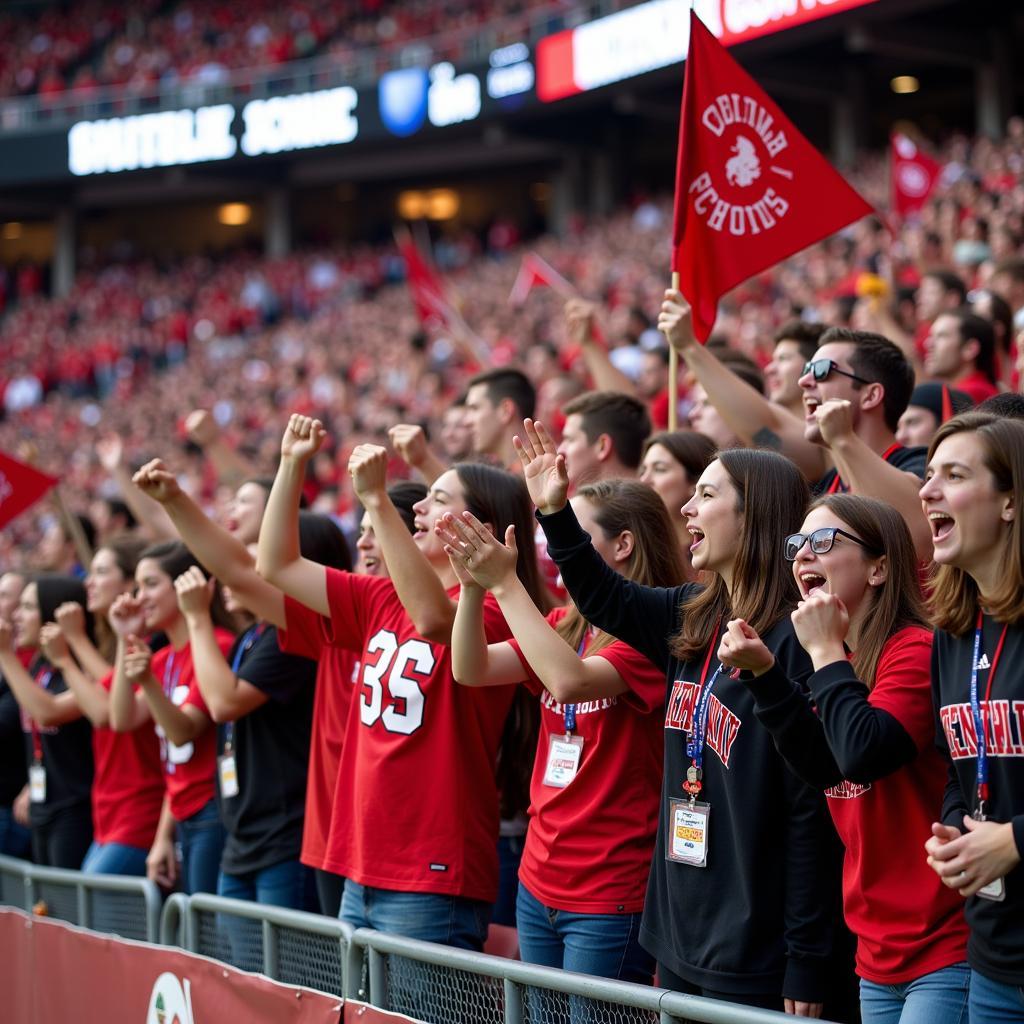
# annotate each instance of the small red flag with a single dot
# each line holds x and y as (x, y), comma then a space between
(428, 293)
(21, 486)
(914, 175)
(534, 271)
(750, 189)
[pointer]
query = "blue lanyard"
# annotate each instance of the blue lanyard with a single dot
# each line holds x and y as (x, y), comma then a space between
(569, 710)
(698, 734)
(249, 638)
(979, 719)
(171, 684)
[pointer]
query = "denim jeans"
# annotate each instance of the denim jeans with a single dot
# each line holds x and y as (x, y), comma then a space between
(993, 1002)
(605, 945)
(202, 840)
(15, 839)
(288, 884)
(936, 998)
(115, 859)
(510, 853)
(450, 920)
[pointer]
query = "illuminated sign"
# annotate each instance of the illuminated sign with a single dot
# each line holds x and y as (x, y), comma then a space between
(452, 98)
(511, 73)
(402, 100)
(166, 139)
(656, 34)
(304, 121)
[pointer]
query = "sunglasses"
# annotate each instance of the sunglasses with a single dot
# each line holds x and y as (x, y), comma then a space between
(821, 542)
(822, 369)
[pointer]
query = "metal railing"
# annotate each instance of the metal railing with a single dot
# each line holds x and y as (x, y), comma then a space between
(360, 67)
(423, 980)
(128, 907)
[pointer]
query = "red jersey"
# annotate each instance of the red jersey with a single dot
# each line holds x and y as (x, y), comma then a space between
(308, 634)
(128, 785)
(907, 922)
(189, 769)
(589, 846)
(978, 386)
(420, 812)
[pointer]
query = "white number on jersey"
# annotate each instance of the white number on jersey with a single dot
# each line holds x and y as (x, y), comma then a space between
(402, 710)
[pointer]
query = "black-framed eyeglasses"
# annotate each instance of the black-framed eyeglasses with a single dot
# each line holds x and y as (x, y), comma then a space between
(822, 369)
(821, 542)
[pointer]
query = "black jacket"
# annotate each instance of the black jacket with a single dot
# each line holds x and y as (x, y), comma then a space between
(758, 918)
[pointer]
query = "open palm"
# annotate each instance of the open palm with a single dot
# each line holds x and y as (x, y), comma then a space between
(543, 468)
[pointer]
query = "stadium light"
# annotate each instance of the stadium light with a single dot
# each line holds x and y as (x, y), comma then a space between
(412, 205)
(442, 204)
(12, 230)
(904, 84)
(234, 214)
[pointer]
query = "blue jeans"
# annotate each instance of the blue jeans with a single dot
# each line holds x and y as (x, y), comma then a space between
(202, 840)
(15, 839)
(605, 945)
(450, 920)
(510, 853)
(993, 1002)
(936, 998)
(115, 859)
(288, 884)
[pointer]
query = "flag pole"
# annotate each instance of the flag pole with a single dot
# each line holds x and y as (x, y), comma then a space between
(673, 373)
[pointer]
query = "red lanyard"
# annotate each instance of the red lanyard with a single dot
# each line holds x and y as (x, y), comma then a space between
(838, 485)
(42, 678)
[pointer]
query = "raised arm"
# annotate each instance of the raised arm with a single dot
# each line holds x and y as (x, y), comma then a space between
(564, 674)
(70, 618)
(643, 617)
(419, 588)
(45, 709)
(227, 696)
(224, 556)
(410, 441)
(91, 698)
(127, 709)
(579, 322)
(181, 725)
(746, 411)
(231, 466)
(149, 514)
(279, 560)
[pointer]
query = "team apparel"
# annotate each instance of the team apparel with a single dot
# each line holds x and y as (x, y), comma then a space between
(189, 769)
(910, 460)
(589, 845)
(308, 635)
(128, 788)
(757, 918)
(996, 945)
(873, 752)
(420, 812)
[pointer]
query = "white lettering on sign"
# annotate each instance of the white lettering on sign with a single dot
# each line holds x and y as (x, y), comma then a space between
(731, 108)
(743, 15)
(452, 98)
(167, 139)
(739, 219)
(509, 81)
(304, 121)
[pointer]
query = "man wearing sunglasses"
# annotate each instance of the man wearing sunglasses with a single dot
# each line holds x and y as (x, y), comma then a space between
(855, 389)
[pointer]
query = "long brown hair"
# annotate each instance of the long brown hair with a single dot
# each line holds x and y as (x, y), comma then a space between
(771, 496)
(655, 561)
(126, 552)
(955, 596)
(174, 558)
(691, 449)
(897, 603)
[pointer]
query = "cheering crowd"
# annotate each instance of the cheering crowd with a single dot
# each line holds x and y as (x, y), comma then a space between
(698, 703)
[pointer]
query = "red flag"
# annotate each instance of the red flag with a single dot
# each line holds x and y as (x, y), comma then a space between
(428, 293)
(914, 175)
(750, 189)
(21, 486)
(534, 271)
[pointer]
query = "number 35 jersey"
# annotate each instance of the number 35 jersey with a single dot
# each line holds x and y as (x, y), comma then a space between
(418, 762)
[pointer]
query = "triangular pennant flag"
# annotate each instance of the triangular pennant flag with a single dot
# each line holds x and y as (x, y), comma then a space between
(428, 293)
(534, 271)
(750, 189)
(914, 175)
(21, 486)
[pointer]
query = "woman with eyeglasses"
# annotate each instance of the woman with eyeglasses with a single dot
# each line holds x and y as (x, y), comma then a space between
(740, 897)
(871, 748)
(971, 496)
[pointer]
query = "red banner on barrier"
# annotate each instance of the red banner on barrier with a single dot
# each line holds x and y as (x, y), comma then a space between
(51, 971)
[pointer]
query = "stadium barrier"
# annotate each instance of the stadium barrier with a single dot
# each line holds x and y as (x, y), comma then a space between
(117, 905)
(422, 980)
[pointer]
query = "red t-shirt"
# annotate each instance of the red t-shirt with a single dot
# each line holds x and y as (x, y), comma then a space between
(978, 386)
(307, 634)
(189, 769)
(907, 922)
(128, 785)
(589, 846)
(420, 812)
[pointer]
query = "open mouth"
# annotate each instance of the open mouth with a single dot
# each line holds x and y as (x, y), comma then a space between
(698, 538)
(941, 524)
(371, 566)
(231, 524)
(813, 583)
(810, 404)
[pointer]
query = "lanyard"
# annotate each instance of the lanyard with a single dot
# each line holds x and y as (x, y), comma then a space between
(838, 485)
(569, 710)
(42, 677)
(699, 725)
(979, 714)
(171, 678)
(245, 644)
